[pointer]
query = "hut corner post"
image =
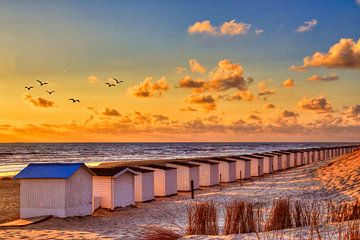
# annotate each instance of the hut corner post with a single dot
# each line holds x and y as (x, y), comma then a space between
(192, 189)
(240, 178)
(220, 183)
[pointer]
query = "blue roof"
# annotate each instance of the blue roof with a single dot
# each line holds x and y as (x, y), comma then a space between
(49, 170)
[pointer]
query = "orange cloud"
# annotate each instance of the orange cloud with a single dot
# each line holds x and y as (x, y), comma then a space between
(234, 28)
(307, 26)
(255, 117)
(180, 70)
(93, 79)
(208, 102)
(288, 114)
(230, 28)
(188, 109)
(288, 83)
(352, 112)
(202, 27)
(331, 77)
(150, 89)
(269, 106)
(264, 90)
(344, 54)
(196, 67)
(39, 102)
(189, 82)
(245, 95)
(111, 113)
(317, 104)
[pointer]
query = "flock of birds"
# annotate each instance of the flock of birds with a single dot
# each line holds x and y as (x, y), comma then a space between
(73, 100)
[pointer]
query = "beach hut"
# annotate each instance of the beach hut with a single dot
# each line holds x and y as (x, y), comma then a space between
(268, 162)
(144, 184)
(58, 189)
(285, 160)
(299, 159)
(227, 169)
(243, 167)
(257, 164)
(209, 172)
(115, 186)
(165, 179)
(292, 156)
(307, 156)
(277, 160)
(186, 172)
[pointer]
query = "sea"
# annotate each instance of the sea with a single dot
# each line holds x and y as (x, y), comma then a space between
(15, 156)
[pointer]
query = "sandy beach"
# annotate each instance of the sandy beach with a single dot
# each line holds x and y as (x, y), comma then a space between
(335, 179)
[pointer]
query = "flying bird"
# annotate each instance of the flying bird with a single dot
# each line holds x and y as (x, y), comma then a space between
(110, 85)
(74, 100)
(28, 88)
(50, 92)
(41, 83)
(118, 81)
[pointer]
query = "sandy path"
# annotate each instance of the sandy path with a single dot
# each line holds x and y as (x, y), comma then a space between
(300, 182)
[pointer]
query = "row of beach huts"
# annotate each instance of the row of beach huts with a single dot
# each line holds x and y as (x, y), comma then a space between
(73, 189)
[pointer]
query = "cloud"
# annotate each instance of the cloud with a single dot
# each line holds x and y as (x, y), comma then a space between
(264, 90)
(244, 95)
(269, 106)
(93, 79)
(189, 82)
(208, 102)
(180, 70)
(331, 77)
(255, 117)
(111, 113)
(288, 114)
(234, 28)
(188, 109)
(39, 102)
(196, 67)
(230, 28)
(358, 2)
(259, 31)
(227, 75)
(150, 89)
(307, 26)
(345, 54)
(288, 83)
(317, 104)
(352, 112)
(203, 27)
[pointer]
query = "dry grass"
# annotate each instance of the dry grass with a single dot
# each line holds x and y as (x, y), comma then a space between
(343, 212)
(280, 215)
(158, 233)
(202, 218)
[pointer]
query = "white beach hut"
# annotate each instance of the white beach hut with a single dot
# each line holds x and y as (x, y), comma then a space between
(299, 159)
(285, 159)
(115, 186)
(144, 184)
(268, 162)
(277, 160)
(165, 180)
(257, 165)
(243, 167)
(209, 172)
(292, 158)
(227, 169)
(58, 189)
(186, 172)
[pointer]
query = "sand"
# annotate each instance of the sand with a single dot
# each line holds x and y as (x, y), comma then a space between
(170, 213)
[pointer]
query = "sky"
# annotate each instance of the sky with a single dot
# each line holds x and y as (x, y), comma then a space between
(245, 70)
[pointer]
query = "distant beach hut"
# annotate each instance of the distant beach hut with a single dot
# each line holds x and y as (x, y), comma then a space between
(299, 157)
(277, 160)
(144, 184)
(243, 167)
(186, 172)
(285, 159)
(209, 172)
(307, 156)
(58, 189)
(268, 162)
(292, 157)
(114, 186)
(165, 179)
(227, 169)
(257, 165)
